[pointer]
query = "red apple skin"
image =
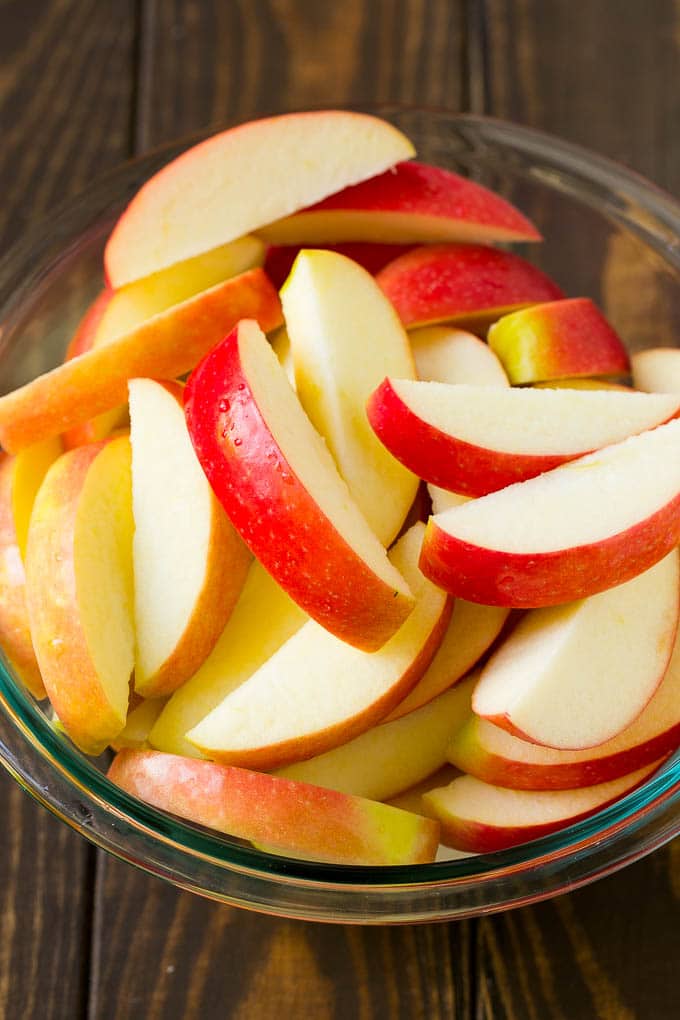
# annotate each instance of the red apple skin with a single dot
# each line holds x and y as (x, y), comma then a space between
(459, 282)
(530, 580)
(288, 816)
(373, 257)
(273, 511)
(84, 335)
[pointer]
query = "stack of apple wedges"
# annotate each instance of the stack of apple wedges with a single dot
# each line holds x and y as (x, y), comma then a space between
(339, 524)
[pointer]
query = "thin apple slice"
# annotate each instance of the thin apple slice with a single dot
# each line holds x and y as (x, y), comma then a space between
(295, 819)
(223, 188)
(79, 536)
(576, 530)
(575, 675)
(164, 347)
(481, 818)
(447, 355)
(462, 283)
(317, 692)
(189, 562)
(475, 439)
(138, 725)
(442, 499)
(277, 481)
(332, 306)
(657, 370)
(393, 756)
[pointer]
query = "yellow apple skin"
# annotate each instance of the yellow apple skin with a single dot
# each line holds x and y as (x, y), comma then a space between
(80, 532)
(290, 818)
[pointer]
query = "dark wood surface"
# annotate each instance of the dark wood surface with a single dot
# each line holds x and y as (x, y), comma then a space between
(85, 84)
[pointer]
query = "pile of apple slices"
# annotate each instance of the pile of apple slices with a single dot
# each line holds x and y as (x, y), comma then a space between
(238, 584)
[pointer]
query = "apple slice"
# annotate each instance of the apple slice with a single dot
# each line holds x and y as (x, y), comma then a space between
(483, 819)
(496, 756)
(394, 756)
(412, 799)
(291, 818)
(263, 619)
(332, 306)
(373, 257)
(317, 692)
(442, 499)
(80, 533)
(138, 725)
(277, 481)
(575, 675)
(475, 439)
(462, 283)
(581, 528)
(447, 355)
(83, 337)
(557, 340)
(411, 202)
(657, 370)
(223, 188)
(164, 347)
(189, 562)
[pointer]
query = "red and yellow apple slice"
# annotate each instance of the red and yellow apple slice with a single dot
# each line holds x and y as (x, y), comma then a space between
(223, 187)
(318, 692)
(79, 589)
(657, 370)
(447, 355)
(462, 283)
(412, 202)
(481, 818)
(475, 439)
(560, 339)
(189, 562)
(572, 532)
(573, 676)
(344, 337)
(164, 347)
(277, 481)
(295, 819)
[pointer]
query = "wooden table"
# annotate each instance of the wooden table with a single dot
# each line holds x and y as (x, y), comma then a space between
(84, 84)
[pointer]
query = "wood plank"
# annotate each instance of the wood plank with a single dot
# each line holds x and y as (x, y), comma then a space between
(610, 83)
(164, 953)
(65, 110)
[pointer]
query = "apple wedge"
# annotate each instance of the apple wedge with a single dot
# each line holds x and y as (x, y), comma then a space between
(573, 676)
(463, 283)
(373, 257)
(80, 533)
(223, 187)
(318, 692)
(410, 203)
(447, 355)
(476, 439)
(138, 725)
(496, 756)
(657, 370)
(277, 481)
(412, 799)
(263, 619)
(164, 347)
(290, 818)
(576, 530)
(391, 757)
(481, 818)
(332, 307)
(560, 339)
(189, 562)
(443, 499)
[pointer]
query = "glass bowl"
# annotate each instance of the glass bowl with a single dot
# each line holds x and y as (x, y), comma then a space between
(609, 235)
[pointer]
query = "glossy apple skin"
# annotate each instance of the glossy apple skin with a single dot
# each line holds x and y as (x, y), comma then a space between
(458, 282)
(288, 816)
(557, 340)
(373, 257)
(277, 517)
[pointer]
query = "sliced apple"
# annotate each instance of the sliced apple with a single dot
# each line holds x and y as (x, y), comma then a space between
(223, 188)
(657, 370)
(332, 307)
(462, 283)
(317, 692)
(442, 499)
(576, 530)
(558, 340)
(411, 202)
(394, 756)
(475, 439)
(138, 725)
(263, 619)
(412, 799)
(373, 257)
(575, 675)
(83, 337)
(447, 355)
(291, 818)
(277, 481)
(79, 536)
(164, 347)
(481, 818)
